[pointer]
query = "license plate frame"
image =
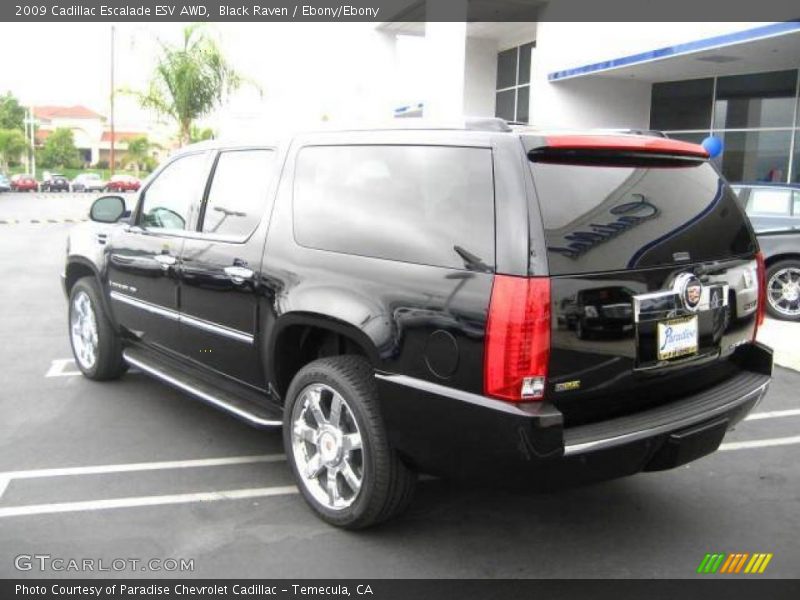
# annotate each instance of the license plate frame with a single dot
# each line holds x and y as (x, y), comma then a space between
(677, 338)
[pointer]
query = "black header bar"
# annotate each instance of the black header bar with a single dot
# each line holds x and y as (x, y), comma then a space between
(397, 10)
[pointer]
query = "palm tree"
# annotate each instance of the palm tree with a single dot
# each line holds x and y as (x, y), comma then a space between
(12, 144)
(190, 80)
(139, 152)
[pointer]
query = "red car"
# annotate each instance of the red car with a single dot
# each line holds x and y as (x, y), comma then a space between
(24, 183)
(123, 183)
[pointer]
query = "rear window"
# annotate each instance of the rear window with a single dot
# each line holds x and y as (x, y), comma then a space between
(608, 218)
(764, 201)
(430, 205)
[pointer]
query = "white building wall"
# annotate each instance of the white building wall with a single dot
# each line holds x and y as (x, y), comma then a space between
(595, 101)
(480, 77)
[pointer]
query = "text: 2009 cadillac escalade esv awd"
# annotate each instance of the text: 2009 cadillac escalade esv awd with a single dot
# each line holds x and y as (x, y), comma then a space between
(476, 302)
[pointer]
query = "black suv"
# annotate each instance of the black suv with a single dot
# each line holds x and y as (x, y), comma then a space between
(393, 299)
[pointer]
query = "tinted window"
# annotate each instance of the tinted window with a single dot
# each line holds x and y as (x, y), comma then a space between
(768, 202)
(504, 104)
(419, 204)
(169, 200)
(525, 62)
(796, 160)
(507, 68)
(692, 138)
(759, 100)
(606, 218)
(755, 155)
(238, 196)
(523, 102)
(681, 104)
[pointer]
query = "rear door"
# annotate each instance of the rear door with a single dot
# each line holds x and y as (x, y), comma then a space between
(653, 278)
(220, 265)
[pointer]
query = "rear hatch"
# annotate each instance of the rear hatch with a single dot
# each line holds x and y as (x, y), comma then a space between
(653, 271)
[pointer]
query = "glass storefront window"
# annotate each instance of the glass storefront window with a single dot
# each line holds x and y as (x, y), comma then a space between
(757, 100)
(755, 155)
(512, 95)
(681, 104)
(507, 68)
(504, 104)
(693, 137)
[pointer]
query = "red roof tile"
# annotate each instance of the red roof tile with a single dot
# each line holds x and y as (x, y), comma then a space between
(65, 112)
(121, 136)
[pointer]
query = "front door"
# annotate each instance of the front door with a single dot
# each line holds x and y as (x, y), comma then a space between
(220, 265)
(143, 263)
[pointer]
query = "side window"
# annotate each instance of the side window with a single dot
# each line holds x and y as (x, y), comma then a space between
(768, 202)
(238, 196)
(430, 205)
(169, 199)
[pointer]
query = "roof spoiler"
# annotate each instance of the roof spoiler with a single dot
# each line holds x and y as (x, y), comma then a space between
(613, 149)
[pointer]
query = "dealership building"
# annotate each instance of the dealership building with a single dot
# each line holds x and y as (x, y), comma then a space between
(736, 81)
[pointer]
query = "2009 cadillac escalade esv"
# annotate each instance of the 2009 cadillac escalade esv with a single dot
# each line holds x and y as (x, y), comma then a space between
(473, 302)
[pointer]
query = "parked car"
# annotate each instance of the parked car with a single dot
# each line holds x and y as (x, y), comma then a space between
(123, 183)
(781, 250)
(5, 184)
(88, 182)
(389, 299)
(55, 183)
(24, 183)
(770, 205)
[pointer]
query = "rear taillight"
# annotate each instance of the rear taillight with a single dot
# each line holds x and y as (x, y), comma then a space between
(517, 338)
(761, 310)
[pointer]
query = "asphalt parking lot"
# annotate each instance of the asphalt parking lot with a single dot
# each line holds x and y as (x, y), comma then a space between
(134, 469)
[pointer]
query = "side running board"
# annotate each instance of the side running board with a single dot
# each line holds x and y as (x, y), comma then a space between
(168, 370)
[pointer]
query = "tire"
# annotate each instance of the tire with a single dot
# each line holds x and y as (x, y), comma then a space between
(107, 360)
(386, 485)
(784, 274)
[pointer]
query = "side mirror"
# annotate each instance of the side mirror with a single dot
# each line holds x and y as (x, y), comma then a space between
(107, 209)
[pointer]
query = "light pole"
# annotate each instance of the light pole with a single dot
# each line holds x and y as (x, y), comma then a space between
(31, 135)
(113, 157)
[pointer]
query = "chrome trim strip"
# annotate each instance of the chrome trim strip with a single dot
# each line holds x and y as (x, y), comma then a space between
(599, 444)
(174, 315)
(234, 334)
(147, 306)
(206, 397)
(461, 395)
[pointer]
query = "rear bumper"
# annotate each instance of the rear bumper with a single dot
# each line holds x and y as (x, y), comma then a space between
(468, 436)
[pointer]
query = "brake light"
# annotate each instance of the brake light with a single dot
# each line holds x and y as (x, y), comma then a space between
(761, 309)
(517, 349)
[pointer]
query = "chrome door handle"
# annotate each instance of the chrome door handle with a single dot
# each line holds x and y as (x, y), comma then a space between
(238, 275)
(165, 260)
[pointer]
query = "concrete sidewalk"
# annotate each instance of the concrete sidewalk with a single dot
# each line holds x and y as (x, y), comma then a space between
(784, 338)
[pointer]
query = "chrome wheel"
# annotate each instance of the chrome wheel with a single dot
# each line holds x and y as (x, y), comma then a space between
(783, 291)
(326, 447)
(83, 330)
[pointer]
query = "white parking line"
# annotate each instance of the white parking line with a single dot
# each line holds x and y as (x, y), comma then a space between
(787, 441)
(8, 476)
(58, 368)
(137, 501)
(794, 412)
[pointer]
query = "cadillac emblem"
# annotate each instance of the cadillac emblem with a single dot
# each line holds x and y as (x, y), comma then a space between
(690, 289)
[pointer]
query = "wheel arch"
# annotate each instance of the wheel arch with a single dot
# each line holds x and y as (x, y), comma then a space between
(301, 337)
(776, 258)
(79, 267)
